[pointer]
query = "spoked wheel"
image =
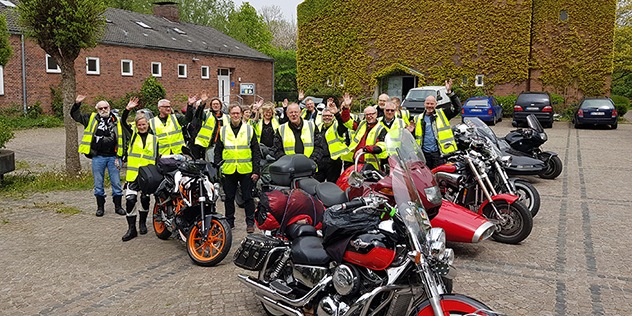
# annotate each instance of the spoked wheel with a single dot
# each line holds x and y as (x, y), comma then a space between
(528, 195)
(453, 305)
(211, 251)
(159, 226)
(553, 168)
(515, 224)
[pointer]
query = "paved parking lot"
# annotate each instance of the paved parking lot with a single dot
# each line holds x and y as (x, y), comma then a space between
(575, 262)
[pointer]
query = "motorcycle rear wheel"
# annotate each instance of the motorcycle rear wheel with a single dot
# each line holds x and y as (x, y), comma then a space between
(214, 249)
(453, 304)
(553, 168)
(159, 227)
(518, 225)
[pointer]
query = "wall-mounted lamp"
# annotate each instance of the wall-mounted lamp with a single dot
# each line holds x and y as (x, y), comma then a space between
(195, 59)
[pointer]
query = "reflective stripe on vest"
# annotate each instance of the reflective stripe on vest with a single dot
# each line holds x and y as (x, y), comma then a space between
(237, 154)
(203, 137)
(289, 142)
(170, 138)
(139, 156)
(443, 132)
(88, 132)
(335, 143)
(398, 123)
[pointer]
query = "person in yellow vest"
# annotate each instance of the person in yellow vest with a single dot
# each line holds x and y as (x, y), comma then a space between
(432, 128)
(238, 147)
(401, 112)
(298, 136)
(213, 121)
(265, 124)
(390, 120)
(103, 142)
(368, 136)
(143, 151)
(167, 127)
(334, 132)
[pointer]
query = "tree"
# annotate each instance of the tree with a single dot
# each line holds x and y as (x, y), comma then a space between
(6, 52)
(62, 29)
(212, 13)
(246, 26)
(284, 33)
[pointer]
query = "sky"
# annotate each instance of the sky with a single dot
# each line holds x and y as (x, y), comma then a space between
(287, 6)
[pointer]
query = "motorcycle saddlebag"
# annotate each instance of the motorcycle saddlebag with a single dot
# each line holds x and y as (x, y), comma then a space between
(280, 208)
(149, 178)
(253, 251)
(290, 167)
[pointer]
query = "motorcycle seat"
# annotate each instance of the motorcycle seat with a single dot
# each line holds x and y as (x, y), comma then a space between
(308, 184)
(309, 250)
(330, 194)
(295, 230)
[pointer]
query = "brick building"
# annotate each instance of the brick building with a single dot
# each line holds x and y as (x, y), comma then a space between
(185, 58)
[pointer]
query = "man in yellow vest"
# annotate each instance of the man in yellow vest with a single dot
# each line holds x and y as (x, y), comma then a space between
(389, 120)
(334, 132)
(297, 136)
(401, 112)
(368, 136)
(237, 146)
(143, 151)
(167, 127)
(213, 122)
(103, 142)
(432, 128)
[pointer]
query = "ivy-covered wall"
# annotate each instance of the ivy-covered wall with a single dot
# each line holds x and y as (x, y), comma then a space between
(360, 41)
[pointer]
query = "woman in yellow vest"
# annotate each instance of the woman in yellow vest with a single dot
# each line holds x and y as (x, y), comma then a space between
(334, 132)
(143, 151)
(265, 124)
(237, 146)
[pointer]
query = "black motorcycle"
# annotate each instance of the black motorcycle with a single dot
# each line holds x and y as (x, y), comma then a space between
(528, 141)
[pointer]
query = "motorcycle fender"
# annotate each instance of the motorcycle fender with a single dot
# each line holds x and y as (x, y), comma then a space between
(461, 224)
(208, 219)
(499, 197)
(547, 155)
(449, 302)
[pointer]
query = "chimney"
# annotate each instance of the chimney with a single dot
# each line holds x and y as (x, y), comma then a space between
(167, 10)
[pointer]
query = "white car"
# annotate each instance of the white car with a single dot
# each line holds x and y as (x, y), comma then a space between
(416, 97)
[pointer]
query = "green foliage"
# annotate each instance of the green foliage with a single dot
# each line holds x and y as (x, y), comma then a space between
(206, 12)
(6, 52)
(284, 73)
(27, 181)
(13, 117)
(622, 84)
(246, 26)
(507, 103)
(560, 106)
(621, 103)
(35, 110)
(57, 101)
(323, 92)
(151, 92)
(6, 134)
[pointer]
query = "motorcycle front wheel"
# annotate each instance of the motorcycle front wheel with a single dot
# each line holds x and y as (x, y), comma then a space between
(527, 194)
(159, 226)
(214, 249)
(553, 168)
(517, 225)
(453, 304)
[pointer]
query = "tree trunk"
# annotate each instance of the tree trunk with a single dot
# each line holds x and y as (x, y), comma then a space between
(69, 93)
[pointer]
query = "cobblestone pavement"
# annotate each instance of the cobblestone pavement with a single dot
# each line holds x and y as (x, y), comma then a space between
(575, 262)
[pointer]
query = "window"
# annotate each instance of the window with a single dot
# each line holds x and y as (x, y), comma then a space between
(143, 25)
(182, 71)
(464, 81)
(127, 67)
(479, 81)
(156, 69)
(1, 80)
(341, 82)
(205, 74)
(564, 15)
(51, 65)
(92, 65)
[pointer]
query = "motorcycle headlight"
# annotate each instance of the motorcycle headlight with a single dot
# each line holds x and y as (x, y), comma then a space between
(506, 160)
(436, 242)
(433, 194)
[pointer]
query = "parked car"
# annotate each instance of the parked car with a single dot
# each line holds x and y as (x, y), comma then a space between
(485, 108)
(537, 103)
(414, 101)
(596, 111)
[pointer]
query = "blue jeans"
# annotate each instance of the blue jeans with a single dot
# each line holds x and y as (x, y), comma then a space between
(99, 164)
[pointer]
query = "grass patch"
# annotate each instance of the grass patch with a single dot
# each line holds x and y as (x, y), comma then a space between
(58, 207)
(71, 210)
(18, 183)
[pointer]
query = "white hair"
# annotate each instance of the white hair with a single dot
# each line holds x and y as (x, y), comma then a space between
(96, 106)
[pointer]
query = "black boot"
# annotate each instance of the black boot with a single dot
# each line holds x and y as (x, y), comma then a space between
(117, 205)
(100, 205)
(131, 231)
(142, 226)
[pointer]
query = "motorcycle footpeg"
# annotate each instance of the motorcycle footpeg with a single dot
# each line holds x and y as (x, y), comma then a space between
(281, 288)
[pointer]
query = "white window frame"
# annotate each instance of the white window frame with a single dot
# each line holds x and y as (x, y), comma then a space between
(207, 72)
(1, 80)
(182, 66)
(479, 81)
(131, 67)
(159, 74)
(93, 72)
(51, 71)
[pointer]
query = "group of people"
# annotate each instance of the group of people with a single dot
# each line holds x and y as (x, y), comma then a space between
(332, 138)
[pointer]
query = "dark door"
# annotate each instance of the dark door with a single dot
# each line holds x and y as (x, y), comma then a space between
(407, 84)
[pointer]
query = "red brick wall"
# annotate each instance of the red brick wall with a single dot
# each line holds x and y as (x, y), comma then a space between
(111, 84)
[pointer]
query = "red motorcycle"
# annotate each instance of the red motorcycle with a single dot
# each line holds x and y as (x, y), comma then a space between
(459, 223)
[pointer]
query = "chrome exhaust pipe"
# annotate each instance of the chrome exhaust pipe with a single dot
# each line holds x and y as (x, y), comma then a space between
(263, 290)
(278, 306)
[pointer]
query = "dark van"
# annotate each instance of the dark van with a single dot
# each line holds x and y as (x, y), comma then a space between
(536, 103)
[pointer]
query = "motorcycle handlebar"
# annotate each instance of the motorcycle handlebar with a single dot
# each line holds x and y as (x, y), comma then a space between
(452, 154)
(355, 203)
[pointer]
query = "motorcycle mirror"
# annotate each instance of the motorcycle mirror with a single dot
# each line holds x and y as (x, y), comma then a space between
(356, 179)
(514, 124)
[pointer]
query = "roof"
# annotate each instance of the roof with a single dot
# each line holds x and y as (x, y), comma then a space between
(155, 32)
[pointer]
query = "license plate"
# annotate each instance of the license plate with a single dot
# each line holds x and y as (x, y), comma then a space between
(598, 113)
(476, 110)
(533, 108)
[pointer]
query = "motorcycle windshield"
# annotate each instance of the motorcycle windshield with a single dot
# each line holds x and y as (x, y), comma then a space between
(481, 128)
(534, 123)
(403, 150)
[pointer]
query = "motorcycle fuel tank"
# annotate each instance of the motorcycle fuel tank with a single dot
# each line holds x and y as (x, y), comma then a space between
(373, 251)
(461, 224)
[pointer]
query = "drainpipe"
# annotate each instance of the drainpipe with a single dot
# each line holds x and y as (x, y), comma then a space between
(528, 87)
(23, 74)
(273, 81)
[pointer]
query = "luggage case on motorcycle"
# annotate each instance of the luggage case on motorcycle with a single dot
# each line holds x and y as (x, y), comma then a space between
(290, 167)
(280, 208)
(253, 251)
(149, 178)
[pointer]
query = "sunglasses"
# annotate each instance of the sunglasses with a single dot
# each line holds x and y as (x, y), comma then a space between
(102, 108)
(389, 110)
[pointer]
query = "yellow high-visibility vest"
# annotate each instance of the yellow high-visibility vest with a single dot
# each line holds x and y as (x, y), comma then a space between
(371, 140)
(307, 136)
(399, 123)
(88, 133)
(139, 155)
(259, 126)
(237, 154)
(335, 143)
(443, 132)
(170, 138)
